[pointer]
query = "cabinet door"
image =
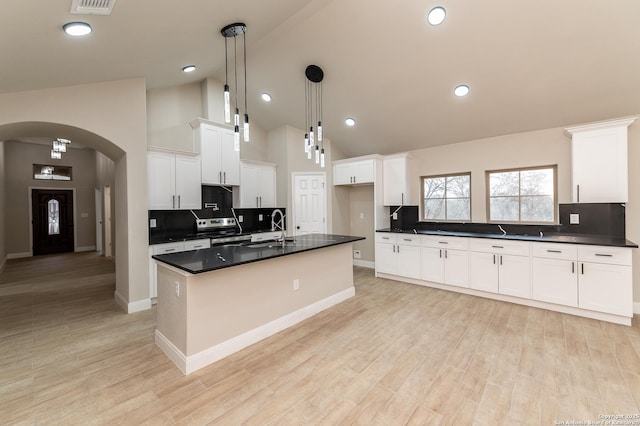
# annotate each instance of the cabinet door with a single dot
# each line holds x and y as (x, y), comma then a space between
(606, 288)
(408, 263)
(514, 278)
(456, 267)
(386, 258)
(267, 186)
(599, 165)
(210, 140)
(396, 187)
(483, 270)
(161, 181)
(554, 281)
(229, 159)
(432, 264)
(363, 171)
(188, 183)
(249, 197)
(342, 174)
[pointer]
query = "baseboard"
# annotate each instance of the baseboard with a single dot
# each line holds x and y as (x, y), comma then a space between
(18, 255)
(189, 364)
(86, 248)
(130, 308)
(364, 263)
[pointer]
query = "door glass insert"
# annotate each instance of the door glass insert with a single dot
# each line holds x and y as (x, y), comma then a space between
(53, 209)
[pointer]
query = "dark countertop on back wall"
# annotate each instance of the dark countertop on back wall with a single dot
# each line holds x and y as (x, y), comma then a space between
(595, 240)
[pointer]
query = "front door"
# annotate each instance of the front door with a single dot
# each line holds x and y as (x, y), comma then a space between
(52, 215)
(309, 204)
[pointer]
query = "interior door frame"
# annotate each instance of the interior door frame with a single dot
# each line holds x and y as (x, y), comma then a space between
(98, 211)
(293, 198)
(75, 216)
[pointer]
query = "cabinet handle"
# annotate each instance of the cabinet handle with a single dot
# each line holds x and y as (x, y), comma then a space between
(200, 246)
(582, 265)
(402, 198)
(220, 177)
(445, 254)
(394, 248)
(173, 201)
(604, 255)
(257, 204)
(224, 175)
(440, 253)
(168, 250)
(385, 238)
(494, 259)
(554, 251)
(407, 239)
(573, 267)
(398, 249)
(260, 201)
(578, 192)
(501, 259)
(443, 242)
(497, 246)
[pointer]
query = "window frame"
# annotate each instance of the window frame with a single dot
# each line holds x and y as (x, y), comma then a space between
(488, 197)
(423, 199)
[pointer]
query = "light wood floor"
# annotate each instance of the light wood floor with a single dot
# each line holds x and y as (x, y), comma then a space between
(394, 354)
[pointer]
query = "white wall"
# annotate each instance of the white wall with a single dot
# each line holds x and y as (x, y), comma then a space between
(111, 118)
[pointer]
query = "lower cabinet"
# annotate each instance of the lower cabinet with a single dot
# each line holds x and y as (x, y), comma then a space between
(500, 266)
(398, 254)
(166, 248)
(445, 260)
(554, 273)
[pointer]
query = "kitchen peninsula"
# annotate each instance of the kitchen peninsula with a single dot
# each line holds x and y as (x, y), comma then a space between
(217, 301)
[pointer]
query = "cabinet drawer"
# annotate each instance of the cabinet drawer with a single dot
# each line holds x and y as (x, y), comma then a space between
(197, 244)
(457, 243)
(518, 248)
(168, 248)
(408, 239)
(554, 251)
(386, 237)
(603, 254)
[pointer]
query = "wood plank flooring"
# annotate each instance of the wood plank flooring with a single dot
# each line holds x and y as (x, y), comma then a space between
(395, 354)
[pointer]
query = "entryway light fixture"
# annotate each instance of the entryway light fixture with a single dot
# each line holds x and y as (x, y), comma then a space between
(313, 142)
(59, 146)
(77, 29)
(235, 30)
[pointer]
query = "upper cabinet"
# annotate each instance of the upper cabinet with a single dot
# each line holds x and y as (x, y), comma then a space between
(397, 186)
(599, 161)
(349, 172)
(220, 160)
(173, 181)
(257, 184)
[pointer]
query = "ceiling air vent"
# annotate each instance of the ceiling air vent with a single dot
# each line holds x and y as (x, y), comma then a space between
(92, 7)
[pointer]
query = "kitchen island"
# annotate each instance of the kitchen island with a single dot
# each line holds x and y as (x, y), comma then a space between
(217, 301)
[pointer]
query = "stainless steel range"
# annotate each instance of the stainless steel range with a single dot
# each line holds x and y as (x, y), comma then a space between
(221, 230)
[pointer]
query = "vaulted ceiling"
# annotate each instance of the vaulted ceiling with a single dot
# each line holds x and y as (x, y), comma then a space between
(529, 65)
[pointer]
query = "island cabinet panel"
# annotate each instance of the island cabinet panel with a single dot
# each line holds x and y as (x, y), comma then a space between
(173, 181)
(220, 159)
(445, 260)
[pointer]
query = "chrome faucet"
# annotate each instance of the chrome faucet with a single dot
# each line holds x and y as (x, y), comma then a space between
(278, 225)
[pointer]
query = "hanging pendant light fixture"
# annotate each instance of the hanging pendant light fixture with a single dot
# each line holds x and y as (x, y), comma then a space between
(234, 30)
(314, 143)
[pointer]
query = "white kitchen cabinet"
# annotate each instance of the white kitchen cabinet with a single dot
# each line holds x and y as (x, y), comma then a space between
(354, 172)
(398, 254)
(500, 266)
(257, 184)
(599, 162)
(605, 280)
(445, 260)
(173, 181)
(166, 248)
(554, 273)
(397, 180)
(220, 159)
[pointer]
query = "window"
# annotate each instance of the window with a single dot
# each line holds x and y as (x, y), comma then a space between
(53, 209)
(48, 172)
(522, 195)
(446, 197)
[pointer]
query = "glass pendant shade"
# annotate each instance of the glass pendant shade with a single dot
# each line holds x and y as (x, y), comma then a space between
(312, 140)
(309, 153)
(306, 142)
(322, 157)
(313, 114)
(317, 154)
(56, 155)
(246, 128)
(319, 131)
(227, 104)
(236, 138)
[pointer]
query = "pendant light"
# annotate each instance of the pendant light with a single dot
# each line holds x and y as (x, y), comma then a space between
(314, 143)
(235, 30)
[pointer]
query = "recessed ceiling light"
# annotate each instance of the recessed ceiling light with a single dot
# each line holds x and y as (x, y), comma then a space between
(77, 29)
(461, 90)
(436, 15)
(266, 97)
(189, 68)
(350, 122)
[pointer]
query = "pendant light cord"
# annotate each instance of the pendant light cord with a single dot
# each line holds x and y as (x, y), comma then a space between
(244, 39)
(226, 63)
(235, 66)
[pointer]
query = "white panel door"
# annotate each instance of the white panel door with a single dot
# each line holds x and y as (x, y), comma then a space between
(309, 204)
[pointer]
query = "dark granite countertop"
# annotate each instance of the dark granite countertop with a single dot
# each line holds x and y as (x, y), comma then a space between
(225, 256)
(594, 240)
